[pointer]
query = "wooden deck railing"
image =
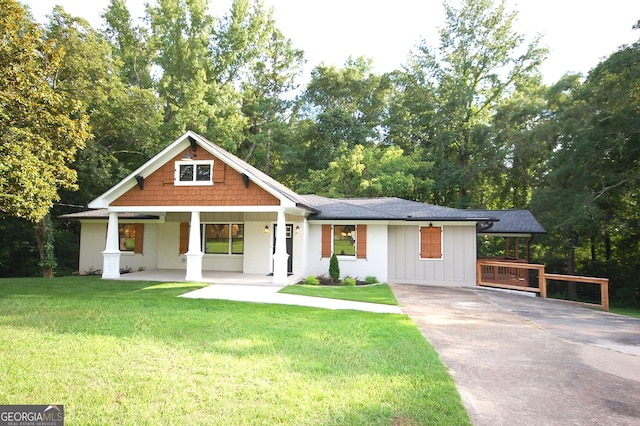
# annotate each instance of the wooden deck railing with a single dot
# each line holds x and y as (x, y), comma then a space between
(602, 282)
(531, 277)
(509, 275)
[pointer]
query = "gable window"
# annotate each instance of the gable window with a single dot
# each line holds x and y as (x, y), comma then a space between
(130, 236)
(344, 240)
(430, 242)
(223, 238)
(191, 172)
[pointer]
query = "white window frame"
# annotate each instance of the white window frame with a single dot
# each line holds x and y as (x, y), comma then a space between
(195, 164)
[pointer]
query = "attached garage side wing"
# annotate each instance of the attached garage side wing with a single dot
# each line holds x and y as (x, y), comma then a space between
(409, 262)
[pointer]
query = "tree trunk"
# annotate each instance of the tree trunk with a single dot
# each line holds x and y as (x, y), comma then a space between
(44, 240)
(268, 153)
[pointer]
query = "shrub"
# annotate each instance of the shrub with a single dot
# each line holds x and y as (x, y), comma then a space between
(371, 280)
(334, 268)
(349, 282)
(311, 280)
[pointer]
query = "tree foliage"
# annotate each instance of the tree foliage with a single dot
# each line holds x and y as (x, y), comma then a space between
(372, 171)
(345, 105)
(41, 130)
(480, 61)
(589, 196)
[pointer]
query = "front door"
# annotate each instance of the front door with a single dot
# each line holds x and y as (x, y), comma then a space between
(289, 232)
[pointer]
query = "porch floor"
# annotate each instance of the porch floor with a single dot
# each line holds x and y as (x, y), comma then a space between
(214, 277)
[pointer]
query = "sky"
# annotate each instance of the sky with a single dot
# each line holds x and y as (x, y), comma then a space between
(578, 34)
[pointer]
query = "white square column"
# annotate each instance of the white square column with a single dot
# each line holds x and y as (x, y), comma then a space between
(111, 253)
(280, 257)
(194, 254)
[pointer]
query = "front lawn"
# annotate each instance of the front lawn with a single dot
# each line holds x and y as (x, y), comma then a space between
(376, 293)
(118, 352)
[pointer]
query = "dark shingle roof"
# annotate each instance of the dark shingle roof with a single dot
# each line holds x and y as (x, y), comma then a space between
(384, 209)
(503, 221)
(511, 222)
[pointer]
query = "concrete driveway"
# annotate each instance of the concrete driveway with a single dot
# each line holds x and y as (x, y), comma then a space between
(518, 360)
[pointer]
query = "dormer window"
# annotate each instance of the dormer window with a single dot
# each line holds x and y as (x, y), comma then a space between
(190, 172)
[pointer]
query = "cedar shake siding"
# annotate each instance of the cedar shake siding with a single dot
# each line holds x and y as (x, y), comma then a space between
(228, 189)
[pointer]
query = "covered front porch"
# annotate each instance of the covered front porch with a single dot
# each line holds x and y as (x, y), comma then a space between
(262, 250)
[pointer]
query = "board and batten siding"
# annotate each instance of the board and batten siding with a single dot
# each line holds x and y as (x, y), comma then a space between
(456, 268)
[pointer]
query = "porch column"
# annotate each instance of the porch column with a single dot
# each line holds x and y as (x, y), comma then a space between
(280, 257)
(111, 253)
(194, 254)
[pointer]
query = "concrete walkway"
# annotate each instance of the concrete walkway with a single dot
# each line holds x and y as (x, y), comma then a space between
(255, 288)
(527, 361)
(269, 294)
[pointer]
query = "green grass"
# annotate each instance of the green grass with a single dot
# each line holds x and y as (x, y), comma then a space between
(630, 312)
(378, 293)
(118, 352)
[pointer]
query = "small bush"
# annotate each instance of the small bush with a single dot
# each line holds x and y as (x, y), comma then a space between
(334, 268)
(349, 282)
(371, 280)
(311, 280)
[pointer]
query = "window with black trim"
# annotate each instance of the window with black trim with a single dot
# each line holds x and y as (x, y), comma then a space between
(223, 238)
(192, 172)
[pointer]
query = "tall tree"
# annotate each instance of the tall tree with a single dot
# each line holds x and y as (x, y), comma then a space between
(124, 118)
(589, 197)
(181, 32)
(130, 43)
(248, 53)
(41, 130)
(523, 141)
(273, 75)
(481, 60)
(346, 104)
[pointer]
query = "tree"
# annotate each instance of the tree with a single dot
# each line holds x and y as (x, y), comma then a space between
(589, 197)
(181, 32)
(130, 45)
(480, 61)
(523, 141)
(273, 74)
(125, 119)
(346, 105)
(334, 268)
(40, 129)
(372, 171)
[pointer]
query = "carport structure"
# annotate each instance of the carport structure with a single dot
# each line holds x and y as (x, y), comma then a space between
(512, 269)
